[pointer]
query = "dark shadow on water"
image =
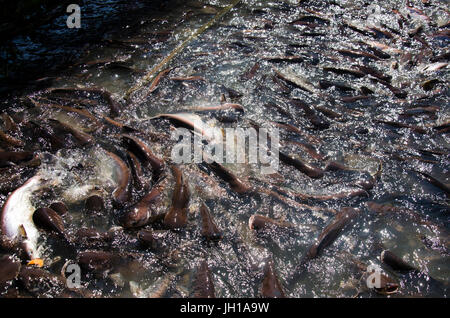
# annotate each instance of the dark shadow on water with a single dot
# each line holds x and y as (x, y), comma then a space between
(36, 41)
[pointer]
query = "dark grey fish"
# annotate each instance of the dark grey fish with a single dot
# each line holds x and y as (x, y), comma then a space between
(317, 121)
(235, 184)
(48, 220)
(209, 231)
(309, 170)
(271, 286)
(9, 269)
(8, 158)
(59, 207)
(41, 282)
(143, 212)
(177, 215)
(143, 152)
(94, 204)
(99, 262)
(434, 181)
(203, 283)
(395, 262)
(325, 239)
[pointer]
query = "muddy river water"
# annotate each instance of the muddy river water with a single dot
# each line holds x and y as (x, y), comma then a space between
(357, 91)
